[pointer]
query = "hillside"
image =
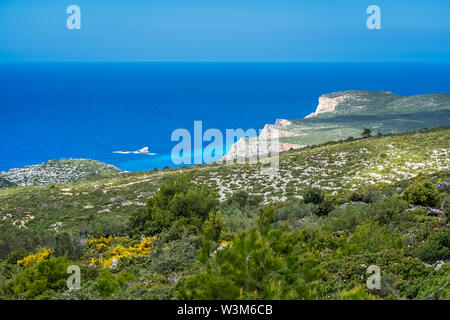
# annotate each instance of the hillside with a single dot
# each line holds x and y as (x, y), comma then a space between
(307, 231)
(57, 171)
(335, 168)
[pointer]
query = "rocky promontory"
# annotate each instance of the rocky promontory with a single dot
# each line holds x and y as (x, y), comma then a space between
(57, 171)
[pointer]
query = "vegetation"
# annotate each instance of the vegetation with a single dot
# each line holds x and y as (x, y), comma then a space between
(235, 232)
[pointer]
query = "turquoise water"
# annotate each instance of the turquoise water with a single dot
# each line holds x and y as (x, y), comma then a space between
(89, 110)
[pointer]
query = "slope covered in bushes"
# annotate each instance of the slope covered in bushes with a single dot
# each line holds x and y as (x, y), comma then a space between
(179, 234)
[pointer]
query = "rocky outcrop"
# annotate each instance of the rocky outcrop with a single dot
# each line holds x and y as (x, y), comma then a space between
(58, 171)
(266, 143)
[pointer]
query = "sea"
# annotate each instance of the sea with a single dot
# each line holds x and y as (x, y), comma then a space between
(57, 110)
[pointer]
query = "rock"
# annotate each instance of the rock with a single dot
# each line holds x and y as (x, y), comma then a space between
(443, 185)
(114, 263)
(430, 211)
(116, 199)
(438, 265)
(56, 225)
(353, 203)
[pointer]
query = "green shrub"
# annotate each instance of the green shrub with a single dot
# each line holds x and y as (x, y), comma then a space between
(241, 199)
(109, 283)
(47, 275)
(215, 228)
(447, 214)
(371, 237)
(248, 269)
(390, 211)
(437, 247)
(325, 207)
(313, 195)
(176, 199)
(422, 193)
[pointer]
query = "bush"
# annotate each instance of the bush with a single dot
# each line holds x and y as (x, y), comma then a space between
(325, 207)
(109, 283)
(68, 244)
(241, 199)
(247, 269)
(447, 213)
(422, 193)
(47, 275)
(437, 247)
(313, 195)
(177, 199)
(215, 227)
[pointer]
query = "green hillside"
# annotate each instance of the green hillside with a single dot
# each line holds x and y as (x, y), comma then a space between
(306, 231)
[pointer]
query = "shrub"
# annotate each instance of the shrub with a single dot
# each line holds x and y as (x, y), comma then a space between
(325, 207)
(109, 283)
(40, 277)
(422, 193)
(215, 227)
(177, 199)
(68, 244)
(390, 211)
(247, 269)
(366, 133)
(313, 195)
(437, 247)
(371, 237)
(241, 199)
(447, 213)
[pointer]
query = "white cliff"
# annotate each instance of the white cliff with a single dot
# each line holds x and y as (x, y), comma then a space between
(328, 104)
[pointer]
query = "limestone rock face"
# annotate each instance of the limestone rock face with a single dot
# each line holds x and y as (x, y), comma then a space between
(328, 104)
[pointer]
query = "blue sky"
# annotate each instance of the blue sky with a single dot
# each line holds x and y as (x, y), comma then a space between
(219, 30)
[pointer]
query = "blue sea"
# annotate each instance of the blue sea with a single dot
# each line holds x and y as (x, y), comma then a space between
(89, 110)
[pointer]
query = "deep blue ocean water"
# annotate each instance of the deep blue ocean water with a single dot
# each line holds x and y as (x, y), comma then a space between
(88, 110)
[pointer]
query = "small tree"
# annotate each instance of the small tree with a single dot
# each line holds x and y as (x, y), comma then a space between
(367, 133)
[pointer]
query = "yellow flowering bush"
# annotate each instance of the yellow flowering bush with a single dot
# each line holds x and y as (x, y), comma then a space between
(119, 251)
(36, 257)
(104, 242)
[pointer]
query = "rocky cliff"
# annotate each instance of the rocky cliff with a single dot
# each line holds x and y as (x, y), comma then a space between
(346, 113)
(267, 142)
(327, 104)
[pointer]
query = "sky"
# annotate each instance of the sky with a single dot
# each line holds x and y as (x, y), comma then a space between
(219, 30)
